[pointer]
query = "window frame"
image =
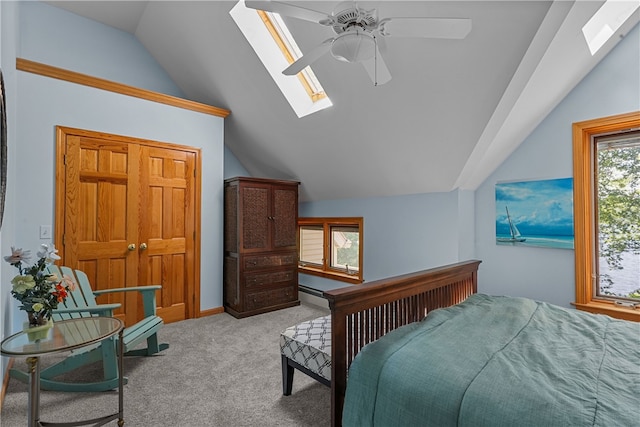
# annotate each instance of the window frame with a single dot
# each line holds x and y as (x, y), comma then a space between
(326, 270)
(584, 134)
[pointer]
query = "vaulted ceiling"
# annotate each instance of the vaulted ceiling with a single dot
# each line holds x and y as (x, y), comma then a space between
(453, 111)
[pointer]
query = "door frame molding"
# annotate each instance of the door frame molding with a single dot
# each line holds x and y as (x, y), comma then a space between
(62, 132)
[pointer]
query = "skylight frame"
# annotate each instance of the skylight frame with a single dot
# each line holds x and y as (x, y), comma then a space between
(606, 21)
(304, 98)
(287, 44)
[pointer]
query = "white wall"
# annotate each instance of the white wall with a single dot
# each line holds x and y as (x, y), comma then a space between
(612, 87)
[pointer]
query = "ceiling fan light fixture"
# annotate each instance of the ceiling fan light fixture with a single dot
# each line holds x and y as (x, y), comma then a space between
(354, 46)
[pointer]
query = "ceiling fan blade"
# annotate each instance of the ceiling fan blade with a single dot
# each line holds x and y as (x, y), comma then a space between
(377, 69)
(308, 59)
(291, 10)
(438, 28)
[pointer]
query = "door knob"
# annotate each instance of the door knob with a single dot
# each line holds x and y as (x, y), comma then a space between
(132, 247)
(143, 246)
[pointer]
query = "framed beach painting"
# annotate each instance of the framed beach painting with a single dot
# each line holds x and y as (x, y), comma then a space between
(535, 213)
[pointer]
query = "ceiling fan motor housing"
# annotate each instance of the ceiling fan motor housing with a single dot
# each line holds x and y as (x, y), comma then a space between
(346, 15)
(354, 46)
(354, 26)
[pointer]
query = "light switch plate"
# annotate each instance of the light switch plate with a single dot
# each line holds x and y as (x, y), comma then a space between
(45, 231)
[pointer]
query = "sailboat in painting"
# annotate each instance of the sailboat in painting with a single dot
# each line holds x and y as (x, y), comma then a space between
(513, 230)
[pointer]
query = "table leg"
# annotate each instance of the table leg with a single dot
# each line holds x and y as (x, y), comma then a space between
(120, 379)
(33, 418)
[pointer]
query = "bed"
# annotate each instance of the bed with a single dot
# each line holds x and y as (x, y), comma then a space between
(499, 361)
(500, 370)
(362, 314)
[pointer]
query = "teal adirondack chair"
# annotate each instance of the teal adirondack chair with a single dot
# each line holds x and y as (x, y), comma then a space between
(82, 303)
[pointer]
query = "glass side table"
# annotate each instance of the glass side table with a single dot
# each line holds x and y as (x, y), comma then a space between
(64, 335)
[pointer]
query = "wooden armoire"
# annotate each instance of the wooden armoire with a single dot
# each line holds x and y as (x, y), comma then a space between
(260, 245)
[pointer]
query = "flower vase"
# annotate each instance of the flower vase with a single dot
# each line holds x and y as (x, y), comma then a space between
(37, 319)
(37, 328)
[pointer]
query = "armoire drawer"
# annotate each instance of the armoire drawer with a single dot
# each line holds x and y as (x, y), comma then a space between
(257, 262)
(280, 277)
(266, 298)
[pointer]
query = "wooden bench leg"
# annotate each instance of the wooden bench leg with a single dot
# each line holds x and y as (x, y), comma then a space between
(287, 376)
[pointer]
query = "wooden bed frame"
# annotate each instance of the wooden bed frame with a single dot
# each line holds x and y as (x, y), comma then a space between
(362, 314)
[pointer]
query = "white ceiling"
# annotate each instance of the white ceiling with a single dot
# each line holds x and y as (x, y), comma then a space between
(453, 111)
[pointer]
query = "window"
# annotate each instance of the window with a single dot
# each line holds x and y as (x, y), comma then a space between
(271, 40)
(617, 206)
(292, 53)
(606, 21)
(599, 149)
(331, 247)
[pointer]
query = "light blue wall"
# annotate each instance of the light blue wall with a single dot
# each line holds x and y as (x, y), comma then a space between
(232, 166)
(45, 34)
(56, 37)
(466, 225)
(401, 233)
(78, 106)
(8, 45)
(408, 233)
(613, 87)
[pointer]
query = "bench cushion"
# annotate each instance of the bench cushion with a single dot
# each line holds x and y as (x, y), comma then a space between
(309, 344)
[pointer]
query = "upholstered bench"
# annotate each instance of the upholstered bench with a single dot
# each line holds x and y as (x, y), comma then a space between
(307, 348)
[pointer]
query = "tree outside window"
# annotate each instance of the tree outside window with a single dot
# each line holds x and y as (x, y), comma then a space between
(618, 211)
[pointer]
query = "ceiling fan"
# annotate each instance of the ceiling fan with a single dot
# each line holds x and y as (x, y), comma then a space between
(360, 34)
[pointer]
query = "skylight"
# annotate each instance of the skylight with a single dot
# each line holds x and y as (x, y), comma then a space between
(606, 21)
(273, 43)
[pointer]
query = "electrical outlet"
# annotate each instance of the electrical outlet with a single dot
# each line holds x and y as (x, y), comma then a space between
(45, 231)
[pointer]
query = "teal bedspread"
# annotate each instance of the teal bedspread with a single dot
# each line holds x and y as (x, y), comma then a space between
(499, 361)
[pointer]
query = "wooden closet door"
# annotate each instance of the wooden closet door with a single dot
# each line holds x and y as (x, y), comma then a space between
(101, 216)
(167, 227)
(129, 209)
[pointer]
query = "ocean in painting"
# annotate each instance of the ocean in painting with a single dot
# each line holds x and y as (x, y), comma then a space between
(560, 242)
(539, 212)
